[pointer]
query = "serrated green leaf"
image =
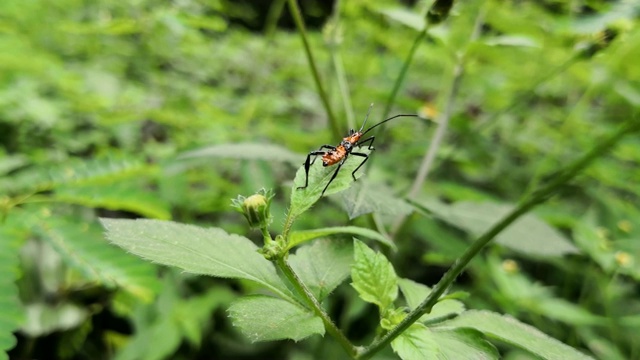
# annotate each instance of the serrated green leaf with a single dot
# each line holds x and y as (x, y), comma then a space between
(414, 293)
(246, 151)
(197, 250)
(463, 344)
(364, 198)
(373, 276)
(82, 247)
(319, 176)
(115, 197)
(422, 343)
(265, 318)
(416, 343)
(323, 265)
(12, 236)
(528, 235)
(298, 237)
(512, 331)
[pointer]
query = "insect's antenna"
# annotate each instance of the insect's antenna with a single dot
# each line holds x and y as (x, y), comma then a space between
(366, 117)
(389, 119)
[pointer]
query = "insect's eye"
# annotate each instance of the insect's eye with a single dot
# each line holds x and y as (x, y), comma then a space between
(351, 131)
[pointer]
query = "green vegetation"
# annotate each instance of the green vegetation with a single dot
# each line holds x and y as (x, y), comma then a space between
(503, 222)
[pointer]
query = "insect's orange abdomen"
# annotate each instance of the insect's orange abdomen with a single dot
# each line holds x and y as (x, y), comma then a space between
(333, 157)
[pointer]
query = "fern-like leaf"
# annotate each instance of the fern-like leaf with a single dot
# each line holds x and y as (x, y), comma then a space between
(82, 247)
(11, 312)
(74, 172)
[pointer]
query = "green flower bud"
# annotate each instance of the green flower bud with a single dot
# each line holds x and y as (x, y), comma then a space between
(596, 43)
(255, 208)
(439, 11)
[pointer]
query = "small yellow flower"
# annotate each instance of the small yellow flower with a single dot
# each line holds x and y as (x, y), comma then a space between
(625, 225)
(623, 258)
(510, 266)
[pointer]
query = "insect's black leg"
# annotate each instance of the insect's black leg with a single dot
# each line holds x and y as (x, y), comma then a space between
(307, 165)
(330, 147)
(333, 176)
(370, 140)
(365, 156)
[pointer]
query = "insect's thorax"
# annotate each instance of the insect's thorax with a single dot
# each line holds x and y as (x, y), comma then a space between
(335, 156)
(352, 139)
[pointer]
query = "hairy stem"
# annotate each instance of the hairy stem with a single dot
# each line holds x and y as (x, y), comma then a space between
(312, 302)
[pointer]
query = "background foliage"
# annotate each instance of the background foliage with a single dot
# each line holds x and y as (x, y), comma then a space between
(167, 110)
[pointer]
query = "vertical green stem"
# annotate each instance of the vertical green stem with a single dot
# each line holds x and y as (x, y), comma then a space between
(344, 89)
(527, 204)
(275, 10)
(297, 17)
(266, 236)
(336, 59)
(443, 123)
(403, 72)
(438, 136)
(316, 307)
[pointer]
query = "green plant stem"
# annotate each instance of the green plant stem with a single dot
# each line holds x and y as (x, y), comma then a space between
(297, 18)
(343, 86)
(266, 236)
(288, 223)
(443, 123)
(275, 10)
(525, 205)
(344, 89)
(403, 72)
(302, 289)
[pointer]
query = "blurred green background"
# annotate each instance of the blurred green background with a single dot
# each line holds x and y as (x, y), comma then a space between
(168, 110)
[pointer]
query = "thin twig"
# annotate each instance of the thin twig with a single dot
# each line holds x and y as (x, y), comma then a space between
(403, 72)
(316, 307)
(297, 17)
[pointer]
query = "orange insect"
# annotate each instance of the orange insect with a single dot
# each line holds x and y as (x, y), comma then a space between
(339, 154)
